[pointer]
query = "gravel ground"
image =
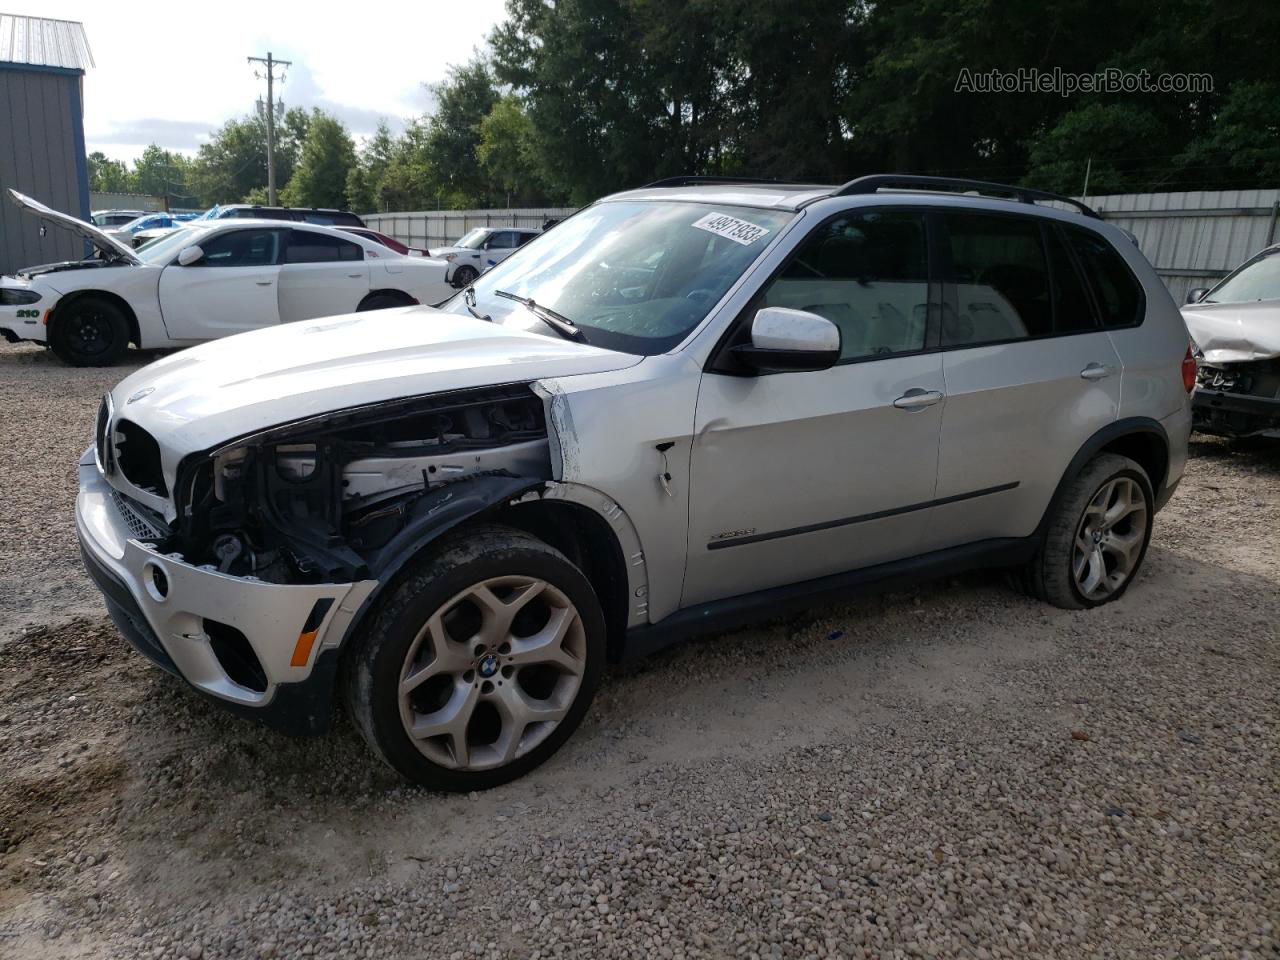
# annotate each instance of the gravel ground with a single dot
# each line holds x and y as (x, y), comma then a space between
(952, 771)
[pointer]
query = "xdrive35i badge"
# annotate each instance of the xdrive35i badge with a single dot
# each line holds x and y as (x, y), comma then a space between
(733, 534)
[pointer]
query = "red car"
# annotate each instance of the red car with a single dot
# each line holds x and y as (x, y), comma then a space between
(386, 241)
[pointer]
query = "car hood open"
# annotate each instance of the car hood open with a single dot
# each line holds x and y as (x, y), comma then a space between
(214, 393)
(1235, 332)
(95, 235)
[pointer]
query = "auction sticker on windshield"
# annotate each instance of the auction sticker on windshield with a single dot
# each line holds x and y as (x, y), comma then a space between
(731, 228)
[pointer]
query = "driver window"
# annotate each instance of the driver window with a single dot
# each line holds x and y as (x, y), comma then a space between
(241, 248)
(868, 273)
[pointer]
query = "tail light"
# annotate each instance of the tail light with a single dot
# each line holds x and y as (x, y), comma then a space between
(1189, 367)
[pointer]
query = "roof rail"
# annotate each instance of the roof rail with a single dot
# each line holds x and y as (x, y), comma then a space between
(687, 181)
(876, 182)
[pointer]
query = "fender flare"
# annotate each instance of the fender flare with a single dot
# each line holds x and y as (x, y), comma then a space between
(453, 504)
(1125, 427)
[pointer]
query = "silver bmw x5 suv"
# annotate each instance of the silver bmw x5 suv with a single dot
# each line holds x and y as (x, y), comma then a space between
(686, 407)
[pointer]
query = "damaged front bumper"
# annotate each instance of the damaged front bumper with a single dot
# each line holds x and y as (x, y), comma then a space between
(1238, 400)
(263, 649)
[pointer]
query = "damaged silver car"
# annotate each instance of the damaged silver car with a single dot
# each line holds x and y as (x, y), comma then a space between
(688, 407)
(1236, 326)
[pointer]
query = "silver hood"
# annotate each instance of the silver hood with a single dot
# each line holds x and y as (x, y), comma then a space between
(204, 397)
(1235, 332)
(95, 235)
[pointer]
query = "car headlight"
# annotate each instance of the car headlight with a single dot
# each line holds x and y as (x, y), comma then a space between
(10, 297)
(451, 256)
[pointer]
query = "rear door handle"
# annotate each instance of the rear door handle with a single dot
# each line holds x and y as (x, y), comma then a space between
(1096, 371)
(918, 398)
(355, 276)
(263, 283)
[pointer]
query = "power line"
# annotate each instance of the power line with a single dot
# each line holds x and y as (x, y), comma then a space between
(271, 63)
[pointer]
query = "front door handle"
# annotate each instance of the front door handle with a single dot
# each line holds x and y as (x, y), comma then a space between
(355, 276)
(263, 283)
(1096, 371)
(917, 398)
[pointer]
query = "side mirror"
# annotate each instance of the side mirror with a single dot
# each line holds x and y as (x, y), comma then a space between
(1196, 294)
(190, 255)
(783, 339)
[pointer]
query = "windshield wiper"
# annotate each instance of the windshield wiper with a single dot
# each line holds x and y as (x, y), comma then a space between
(556, 321)
(469, 299)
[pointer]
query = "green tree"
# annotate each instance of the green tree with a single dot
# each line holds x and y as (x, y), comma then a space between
(106, 175)
(327, 157)
(453, 135)
(364, 178)
(508, 151)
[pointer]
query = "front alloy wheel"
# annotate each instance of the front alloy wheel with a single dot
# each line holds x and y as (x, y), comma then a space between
(491, 676)
(480, 663)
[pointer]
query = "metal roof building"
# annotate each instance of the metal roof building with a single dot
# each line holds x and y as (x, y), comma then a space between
(42, 67)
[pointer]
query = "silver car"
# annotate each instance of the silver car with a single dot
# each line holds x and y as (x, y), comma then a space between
(687, 407)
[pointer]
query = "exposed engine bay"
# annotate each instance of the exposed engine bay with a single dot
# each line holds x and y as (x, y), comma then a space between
(314, 501)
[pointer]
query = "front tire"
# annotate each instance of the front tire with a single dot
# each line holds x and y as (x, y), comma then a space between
(479, 663)
(90, 332)
(1097, 536)
(465, 276)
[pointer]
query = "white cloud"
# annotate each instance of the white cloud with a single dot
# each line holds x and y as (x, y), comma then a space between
(170, 73)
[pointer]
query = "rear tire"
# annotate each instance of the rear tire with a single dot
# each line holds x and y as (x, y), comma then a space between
(90, 332)
(1097, 536)
(479, 663)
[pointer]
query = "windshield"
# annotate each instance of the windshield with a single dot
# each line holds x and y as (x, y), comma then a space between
(473, 240)
(161, 251)
(1259, 280)
(210, 214)
(635, 276)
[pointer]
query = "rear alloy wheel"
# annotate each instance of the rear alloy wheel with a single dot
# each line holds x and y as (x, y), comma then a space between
(480, 664)
(465, 276)
(90, 332)
(1097, 535)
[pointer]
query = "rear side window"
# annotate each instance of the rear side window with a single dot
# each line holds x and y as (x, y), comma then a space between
(868, 273)
(307, 247)
(1119, 295)
(1072, 312)
(1001, 278)
(1014, 279)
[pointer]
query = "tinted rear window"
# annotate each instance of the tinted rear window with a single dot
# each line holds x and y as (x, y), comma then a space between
(1116, 289)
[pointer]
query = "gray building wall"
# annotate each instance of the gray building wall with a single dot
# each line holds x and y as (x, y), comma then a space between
(42, 155)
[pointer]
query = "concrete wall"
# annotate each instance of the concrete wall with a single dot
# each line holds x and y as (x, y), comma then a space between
(42, 154)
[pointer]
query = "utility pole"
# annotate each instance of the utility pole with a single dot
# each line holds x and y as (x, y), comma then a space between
(270, 63)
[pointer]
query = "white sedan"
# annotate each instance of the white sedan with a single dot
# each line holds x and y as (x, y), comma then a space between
(203, 282)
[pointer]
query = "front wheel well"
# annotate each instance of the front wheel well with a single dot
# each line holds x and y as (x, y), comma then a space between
(405, 299)
(135, 334)
(589, 542)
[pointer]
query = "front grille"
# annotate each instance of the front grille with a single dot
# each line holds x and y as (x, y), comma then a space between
(143, 524)
(138, 456)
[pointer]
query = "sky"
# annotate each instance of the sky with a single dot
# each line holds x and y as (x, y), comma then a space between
(171, 73)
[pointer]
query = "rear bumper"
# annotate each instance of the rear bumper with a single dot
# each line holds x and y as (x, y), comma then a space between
(178, 616)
